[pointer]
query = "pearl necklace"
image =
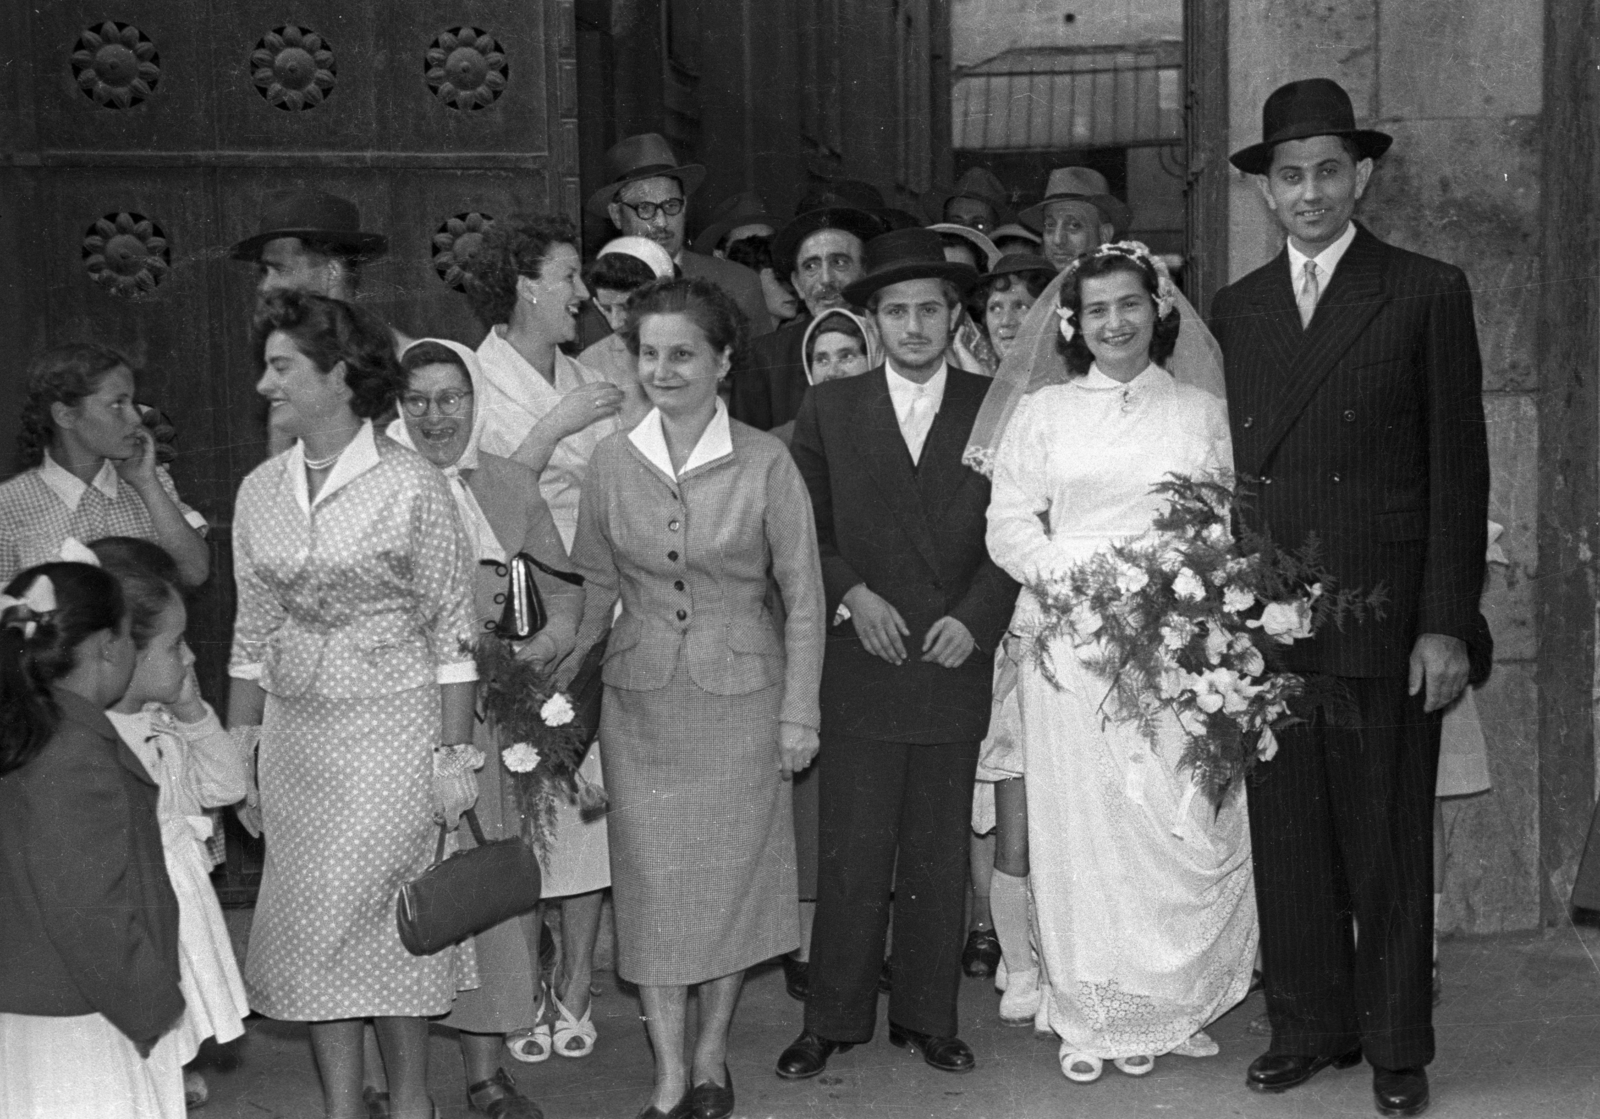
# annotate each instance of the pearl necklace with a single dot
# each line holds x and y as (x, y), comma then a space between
(324, 463)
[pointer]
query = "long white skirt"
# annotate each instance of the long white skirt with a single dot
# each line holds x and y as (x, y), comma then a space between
(1145, 900)
(83, 1065)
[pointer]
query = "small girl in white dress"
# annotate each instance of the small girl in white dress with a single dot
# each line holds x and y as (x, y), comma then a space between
(178, 737)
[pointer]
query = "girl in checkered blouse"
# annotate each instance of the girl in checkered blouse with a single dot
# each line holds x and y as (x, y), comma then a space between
(89, 468)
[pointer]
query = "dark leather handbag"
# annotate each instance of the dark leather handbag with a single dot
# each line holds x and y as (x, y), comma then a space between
(471, 891)
(525, 614)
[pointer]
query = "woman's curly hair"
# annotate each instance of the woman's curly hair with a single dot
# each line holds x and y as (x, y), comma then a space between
(702, 302)
(515, 246)
(60, 375)
(329, 331)
(1103, 262)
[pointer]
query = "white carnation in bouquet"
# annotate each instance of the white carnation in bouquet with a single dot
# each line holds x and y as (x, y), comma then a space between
(1285, 622)
(520, 757)
(557, 711)
(1237, 599)
(1187, 585)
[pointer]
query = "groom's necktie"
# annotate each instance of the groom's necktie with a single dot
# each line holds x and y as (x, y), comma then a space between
(919, 419)
(1309, 290)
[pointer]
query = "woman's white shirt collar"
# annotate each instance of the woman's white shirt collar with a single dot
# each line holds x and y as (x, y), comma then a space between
(70, 488)
(716, 441)
(359, 456)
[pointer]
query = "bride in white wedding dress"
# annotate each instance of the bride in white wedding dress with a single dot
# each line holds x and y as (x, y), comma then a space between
(1145, 905)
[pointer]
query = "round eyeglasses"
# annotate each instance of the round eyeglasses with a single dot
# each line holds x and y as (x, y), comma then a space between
(448, 402)
(646, 211)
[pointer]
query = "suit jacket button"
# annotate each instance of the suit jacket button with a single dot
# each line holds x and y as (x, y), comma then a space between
(1249, 421)
(674, 524)
(1349, 416)
(1334, 477)
(678, 586)
(682, 614)
(673, 556)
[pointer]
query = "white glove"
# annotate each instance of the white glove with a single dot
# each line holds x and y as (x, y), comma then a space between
(455, 782)
(247, 740)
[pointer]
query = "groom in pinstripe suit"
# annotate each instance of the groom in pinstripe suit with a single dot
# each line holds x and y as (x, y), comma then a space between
(1354, 387)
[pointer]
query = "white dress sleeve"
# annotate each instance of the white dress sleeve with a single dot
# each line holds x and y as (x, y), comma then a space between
(1019, 500)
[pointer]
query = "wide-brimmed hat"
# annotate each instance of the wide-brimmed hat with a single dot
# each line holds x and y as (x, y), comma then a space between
(847, 204)
(978, 183)
(645, 156)
(744, 208)
(1012, 264)
(311, 215)
(1079, 184)
(1301, 110)
(1017, 230)
(987, 253)
(907, 254)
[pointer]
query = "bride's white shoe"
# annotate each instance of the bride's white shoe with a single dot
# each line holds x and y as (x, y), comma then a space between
(1199, 1044)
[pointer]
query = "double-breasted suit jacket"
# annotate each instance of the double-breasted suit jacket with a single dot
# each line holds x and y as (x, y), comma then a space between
(1366, 428)
(915, 536)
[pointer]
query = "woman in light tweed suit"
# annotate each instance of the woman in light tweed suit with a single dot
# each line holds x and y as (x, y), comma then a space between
(710, 699)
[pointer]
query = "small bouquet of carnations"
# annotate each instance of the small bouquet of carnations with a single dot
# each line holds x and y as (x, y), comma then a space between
(545, 749)
(1187, 619)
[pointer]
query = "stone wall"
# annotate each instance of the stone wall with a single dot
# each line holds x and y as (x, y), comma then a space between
(1458, 83)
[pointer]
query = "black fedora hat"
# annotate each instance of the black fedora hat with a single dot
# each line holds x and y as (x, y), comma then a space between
(907, 254)
(981, 185)
(1015, 264)
(311, 215)
(1301, 110)
(744, 208)
(847, 204)
(645, 156)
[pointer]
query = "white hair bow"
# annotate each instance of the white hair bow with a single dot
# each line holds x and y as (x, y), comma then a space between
(38, 600)
(74, 550)
(1068, 323)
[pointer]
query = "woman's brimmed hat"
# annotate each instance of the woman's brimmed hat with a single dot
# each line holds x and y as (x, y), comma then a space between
(907, 254)
(646, 156)
(987, 253)
(847, 204)
(1013, 264)
(1017, 230)
(311, 215)
(1080, 184)
(744, 208)
(1301, 110)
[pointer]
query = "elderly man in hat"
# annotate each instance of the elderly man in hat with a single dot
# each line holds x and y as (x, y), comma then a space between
(917, 609)
(822, 249)
(1354, 393)
(310, 240)
(1078, 213)
(977, 201)
(648, 196)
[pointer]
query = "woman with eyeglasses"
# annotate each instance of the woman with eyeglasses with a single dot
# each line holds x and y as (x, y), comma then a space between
(500, 508)
(541, 408)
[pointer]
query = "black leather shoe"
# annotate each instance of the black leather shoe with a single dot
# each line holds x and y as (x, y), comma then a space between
(796, 977)
(683, 1109)
(808, 1055)
(947, 1054)
(498, 1098)
(1278, 1072)
(982, 954)
(1400, 1091)
(713, 1101)
(885, 978)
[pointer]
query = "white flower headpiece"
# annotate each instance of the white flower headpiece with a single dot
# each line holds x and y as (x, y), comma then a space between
(1139, 253)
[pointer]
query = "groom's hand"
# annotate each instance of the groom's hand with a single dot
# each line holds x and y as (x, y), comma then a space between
(1439, 664)
(879, 625)
(948, 644)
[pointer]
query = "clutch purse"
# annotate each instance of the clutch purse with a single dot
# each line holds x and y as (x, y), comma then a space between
(524, 614)
(471, 891)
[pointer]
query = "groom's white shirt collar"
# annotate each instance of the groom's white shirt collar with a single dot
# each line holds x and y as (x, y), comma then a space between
(1327, 260)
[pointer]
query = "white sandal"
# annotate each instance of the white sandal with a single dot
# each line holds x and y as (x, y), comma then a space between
(570, 1029)
(532, 1044)
(1127, 1065)
(1199, 1044)
(1080, 1067)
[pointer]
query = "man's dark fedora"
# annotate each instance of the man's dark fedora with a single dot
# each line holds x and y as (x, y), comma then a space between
(847, 204)
(311, 215)
(645, 156)
(907, 254)
(744, 208)
(1301, 110)
(979, 184)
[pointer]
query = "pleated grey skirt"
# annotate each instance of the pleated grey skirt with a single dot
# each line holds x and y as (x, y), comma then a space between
(701, 830)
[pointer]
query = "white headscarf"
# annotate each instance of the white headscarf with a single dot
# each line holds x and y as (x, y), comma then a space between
(480, 533)
(869, 331)
(641, 248)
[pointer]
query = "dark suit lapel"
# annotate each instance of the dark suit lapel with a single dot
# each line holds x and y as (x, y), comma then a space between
(940, 471)
(879, 442)
(1354, 297)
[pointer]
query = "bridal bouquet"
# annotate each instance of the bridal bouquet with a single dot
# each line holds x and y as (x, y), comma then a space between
(1186, 619)
(544, 750)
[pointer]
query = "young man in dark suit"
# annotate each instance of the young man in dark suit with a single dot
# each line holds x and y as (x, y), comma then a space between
(1354, 392)
(917, 609)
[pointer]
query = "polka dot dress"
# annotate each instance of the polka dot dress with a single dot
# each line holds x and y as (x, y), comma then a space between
(350, 615)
